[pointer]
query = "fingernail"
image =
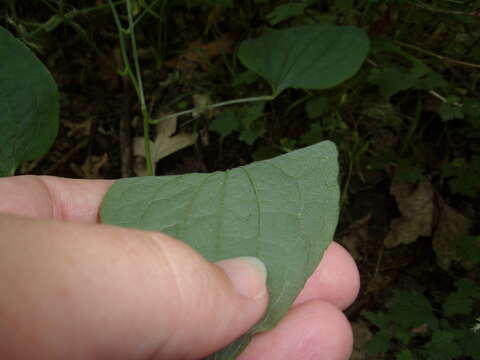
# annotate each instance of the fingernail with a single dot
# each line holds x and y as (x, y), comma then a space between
(248, 275)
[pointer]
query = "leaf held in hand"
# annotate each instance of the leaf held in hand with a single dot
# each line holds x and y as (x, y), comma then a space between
(283, 211)
(317, 56)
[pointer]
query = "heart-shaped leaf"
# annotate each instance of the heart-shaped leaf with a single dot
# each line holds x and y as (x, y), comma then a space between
(29, 105)
(317, 56)
(283, 211)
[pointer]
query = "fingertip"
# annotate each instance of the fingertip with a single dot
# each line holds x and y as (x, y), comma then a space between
(313, 330)
(335, 280)
(248, 276)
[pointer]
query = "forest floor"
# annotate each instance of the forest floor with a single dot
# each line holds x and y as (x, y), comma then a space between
(399, 232)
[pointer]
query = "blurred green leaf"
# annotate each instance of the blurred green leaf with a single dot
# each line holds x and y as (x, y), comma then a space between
(225, 123)
(410, 309)
(378, 344)
(245, 78)
(29, 105)
(468, 247)
(463, 176)
(409, 172)
(314, 135)
(247, 114)
(469, 342)
(461, 301)
(316, 107)
(394, 79)
(450, 111)
(442, 346)
(405, 354)
(285, 11)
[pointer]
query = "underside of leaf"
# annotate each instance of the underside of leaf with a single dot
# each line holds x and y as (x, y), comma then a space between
(283, 211)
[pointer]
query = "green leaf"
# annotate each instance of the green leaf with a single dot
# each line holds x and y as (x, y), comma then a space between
(29, 105)
(431, 80)
(456, 304)
(379, 343)
(468, 247)
(469, 342)
(246, 119)
(449, 112)
(285, 11)
(252, 122)
(410, 172)
(464, 176)
(379, 319)
(461, 301)
(249, 113)
(225, 123)
(405, 354)
(245, 78)
(409, 309)
(316, 107)
(317, 56)
(471, 106)
(442, 346)
(394, 79)
(283, 211)
(250, 135)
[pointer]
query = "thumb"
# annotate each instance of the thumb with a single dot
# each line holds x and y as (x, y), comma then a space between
(81, 291)
(211, 304)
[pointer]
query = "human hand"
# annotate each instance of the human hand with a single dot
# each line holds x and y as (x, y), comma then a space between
(74, 289)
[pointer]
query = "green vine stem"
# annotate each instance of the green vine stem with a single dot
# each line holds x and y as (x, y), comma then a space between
(141, 95)
(213, 106)
(135, 77)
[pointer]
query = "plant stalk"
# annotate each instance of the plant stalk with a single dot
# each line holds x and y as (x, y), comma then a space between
(214, 106)
(135, 77)
(141, 95)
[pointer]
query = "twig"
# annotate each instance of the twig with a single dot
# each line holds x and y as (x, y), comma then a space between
(125, 135)
(443, 11)
(444, 58)
(67, 156)
(379, 261)
(460, 77)
(213, 106)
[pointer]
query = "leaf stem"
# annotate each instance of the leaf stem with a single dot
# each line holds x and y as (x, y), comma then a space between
(214, 106)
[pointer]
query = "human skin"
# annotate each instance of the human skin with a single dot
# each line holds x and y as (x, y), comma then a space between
(75, 289)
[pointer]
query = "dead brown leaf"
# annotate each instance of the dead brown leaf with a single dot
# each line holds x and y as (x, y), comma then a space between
(355, 236)
(199, 53)
(451, 226)
(417, 207)
(165, 144)
(420, 330)
(361, 335)
(90, 169)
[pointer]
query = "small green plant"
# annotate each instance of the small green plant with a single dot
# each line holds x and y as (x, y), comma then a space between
(463, 176)
(414, 328)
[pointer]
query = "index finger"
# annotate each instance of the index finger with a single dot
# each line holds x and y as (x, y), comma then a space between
(53, 197)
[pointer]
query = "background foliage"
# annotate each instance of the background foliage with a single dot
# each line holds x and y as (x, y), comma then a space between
(407, 126)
